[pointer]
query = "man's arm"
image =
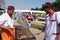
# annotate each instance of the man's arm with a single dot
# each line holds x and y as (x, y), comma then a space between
(37, 33)
(59, 36)
(59, 32)
(16, 25)
(5, 27)
(57, 17)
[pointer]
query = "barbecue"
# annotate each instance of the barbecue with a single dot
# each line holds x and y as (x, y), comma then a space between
(23, 34)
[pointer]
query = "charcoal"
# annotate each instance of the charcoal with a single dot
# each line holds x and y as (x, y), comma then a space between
(23, 34)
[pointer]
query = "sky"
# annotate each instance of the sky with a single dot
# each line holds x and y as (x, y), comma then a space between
(26, 4)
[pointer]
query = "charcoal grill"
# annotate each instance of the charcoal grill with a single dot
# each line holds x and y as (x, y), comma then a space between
(23, 34)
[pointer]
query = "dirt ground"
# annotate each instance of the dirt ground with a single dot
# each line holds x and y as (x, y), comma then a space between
(38, 37)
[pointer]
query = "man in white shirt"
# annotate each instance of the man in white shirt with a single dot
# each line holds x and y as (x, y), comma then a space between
(51, 29)
(7, 24)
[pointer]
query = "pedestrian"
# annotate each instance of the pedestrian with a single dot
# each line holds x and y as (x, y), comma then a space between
(28, 19)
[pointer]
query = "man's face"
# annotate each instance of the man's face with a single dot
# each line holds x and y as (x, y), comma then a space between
(10, 11)
(46, 10)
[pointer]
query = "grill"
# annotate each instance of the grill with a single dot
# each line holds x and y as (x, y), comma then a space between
(23, 34)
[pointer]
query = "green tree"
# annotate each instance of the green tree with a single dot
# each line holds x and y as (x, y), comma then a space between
(54, 6)
(32, 9)
(57, 1)
(35, 8)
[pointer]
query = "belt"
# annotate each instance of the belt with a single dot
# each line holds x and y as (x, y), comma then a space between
(53, 20)
(55, 33)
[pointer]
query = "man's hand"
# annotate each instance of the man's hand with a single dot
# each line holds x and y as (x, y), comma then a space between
(5, 27)
(38, 32)
(16, 25)
(9, 27)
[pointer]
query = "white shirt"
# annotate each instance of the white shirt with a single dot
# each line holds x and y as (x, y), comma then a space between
(47, 28)
(5, 20)
(58, 17)
(51, 27)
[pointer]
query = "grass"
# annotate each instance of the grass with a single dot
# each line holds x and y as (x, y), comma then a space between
(38, 26)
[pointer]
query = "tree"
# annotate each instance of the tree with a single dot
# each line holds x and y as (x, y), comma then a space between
(32, 9)
(54, 6)
(35, 8)
(57, 1)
